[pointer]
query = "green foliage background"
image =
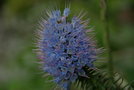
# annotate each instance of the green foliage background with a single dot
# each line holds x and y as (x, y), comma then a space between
(18, 22)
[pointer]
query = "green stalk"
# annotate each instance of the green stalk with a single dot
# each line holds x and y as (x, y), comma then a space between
(106, 38)
(69, 86)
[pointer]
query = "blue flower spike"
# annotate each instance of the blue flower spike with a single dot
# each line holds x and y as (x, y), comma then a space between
(64, 48)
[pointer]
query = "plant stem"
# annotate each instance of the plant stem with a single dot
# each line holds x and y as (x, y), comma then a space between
(105, 19)
(69, 86)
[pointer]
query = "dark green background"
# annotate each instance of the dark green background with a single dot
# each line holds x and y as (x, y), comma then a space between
(18, 22)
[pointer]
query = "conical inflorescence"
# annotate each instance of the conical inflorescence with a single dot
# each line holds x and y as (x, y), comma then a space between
(64, 47)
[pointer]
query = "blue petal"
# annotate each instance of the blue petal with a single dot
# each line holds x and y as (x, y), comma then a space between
(66, 11)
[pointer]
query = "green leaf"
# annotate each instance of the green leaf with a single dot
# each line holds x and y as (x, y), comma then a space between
(100, 80)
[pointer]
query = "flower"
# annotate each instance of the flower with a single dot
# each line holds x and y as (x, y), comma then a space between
(65, 48)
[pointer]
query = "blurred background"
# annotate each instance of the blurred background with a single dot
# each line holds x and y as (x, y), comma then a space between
(18, 23)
